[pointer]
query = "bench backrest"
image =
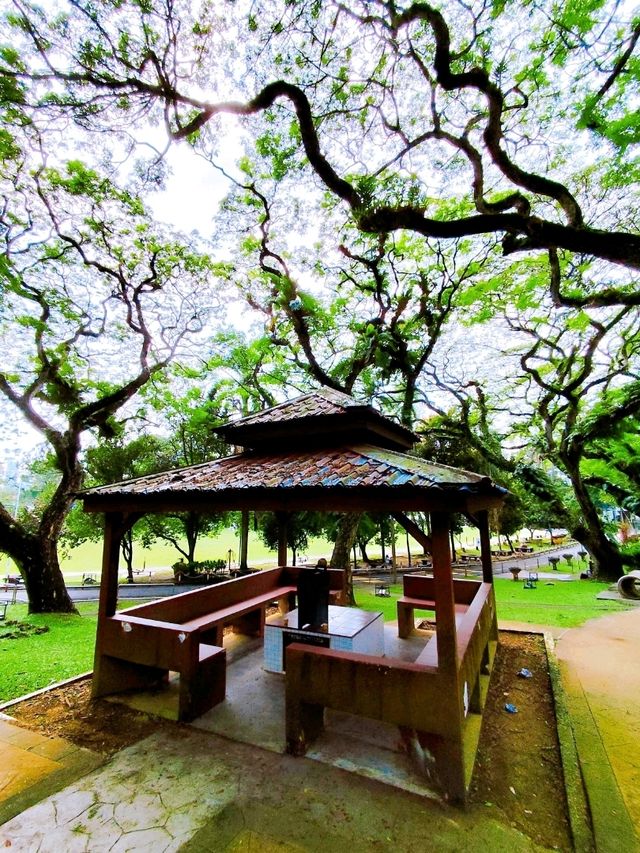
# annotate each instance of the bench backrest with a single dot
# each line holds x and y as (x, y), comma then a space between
(199, 602)
(422, 586)
(138, 640)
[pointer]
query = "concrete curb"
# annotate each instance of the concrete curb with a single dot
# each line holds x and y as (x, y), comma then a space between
(11, 702)
(577, 806)
(613, 830)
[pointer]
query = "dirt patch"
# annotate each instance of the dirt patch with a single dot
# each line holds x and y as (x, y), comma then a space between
(14, 630)
(70, 712)
(518, 772)
(518, 767)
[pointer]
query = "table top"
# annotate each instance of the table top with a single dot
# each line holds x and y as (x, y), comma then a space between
(343, 621)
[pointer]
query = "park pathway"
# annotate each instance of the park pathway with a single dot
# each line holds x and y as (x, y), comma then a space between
(600, 666)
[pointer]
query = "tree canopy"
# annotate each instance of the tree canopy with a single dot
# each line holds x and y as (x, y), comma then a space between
(96, 303)
(434, 207)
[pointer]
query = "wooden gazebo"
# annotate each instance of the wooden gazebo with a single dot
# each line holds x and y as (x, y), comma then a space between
(322, 451)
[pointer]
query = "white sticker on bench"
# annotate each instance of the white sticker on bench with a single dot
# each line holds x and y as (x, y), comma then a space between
(181, 637)
(126, 627)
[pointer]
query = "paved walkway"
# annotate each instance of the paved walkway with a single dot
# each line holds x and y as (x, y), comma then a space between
(600, 666)
(199, 793)
(195, 791)
(33, 766)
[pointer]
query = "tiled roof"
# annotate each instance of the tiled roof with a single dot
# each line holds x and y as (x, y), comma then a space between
(344, 468)
(322, 418)
(323, 402)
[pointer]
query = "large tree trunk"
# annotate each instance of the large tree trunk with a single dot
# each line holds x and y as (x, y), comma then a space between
(37, 559)
(192, 531)
(244, 540)
(604, 553)
(341, 557)
(36, 552)
(126, 546)
(363, 550)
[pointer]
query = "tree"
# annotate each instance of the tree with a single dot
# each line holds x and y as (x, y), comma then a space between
(111, 462)
(193, 441)
(341, 556)
(300, 525)
(389, 129)
(96, 302)
(409, 88)
(578, 385)
(465, 438)
(385, 303)
(612, 464)
(582, 377)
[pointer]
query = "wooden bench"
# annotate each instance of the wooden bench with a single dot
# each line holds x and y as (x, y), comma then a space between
(405, 608)
(419, 594)
(417, 696)
(137, 647)
(467, 616)
(142, 652)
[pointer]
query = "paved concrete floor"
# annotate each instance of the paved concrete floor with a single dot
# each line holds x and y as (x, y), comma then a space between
(198, 791)
(33, 766)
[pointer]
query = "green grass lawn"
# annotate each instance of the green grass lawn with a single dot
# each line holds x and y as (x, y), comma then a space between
(66, 649)
(36, 660)
(30, 662)
(561, 603)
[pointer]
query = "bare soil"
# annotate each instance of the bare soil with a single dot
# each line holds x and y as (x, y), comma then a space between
(518, 767)
(69, 712)
(518, 772)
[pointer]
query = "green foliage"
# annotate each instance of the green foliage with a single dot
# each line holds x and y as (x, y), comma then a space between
(333, 239)
(300, 527)
(198, 567)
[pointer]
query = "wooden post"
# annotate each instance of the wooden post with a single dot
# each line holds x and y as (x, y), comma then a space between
(113, 531)
(109, 674)
(444, 596)
(282, 538)
(394, 565)
(244, 540)
(485, 545)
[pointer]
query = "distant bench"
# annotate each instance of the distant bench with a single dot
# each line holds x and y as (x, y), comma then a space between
(419, 594)
(137, 647)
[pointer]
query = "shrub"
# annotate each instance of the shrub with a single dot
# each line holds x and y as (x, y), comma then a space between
(198, 567)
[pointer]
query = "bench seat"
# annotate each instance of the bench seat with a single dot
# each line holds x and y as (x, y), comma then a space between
(139, 653)
(407, 604)
(136, 648)
(257, 604)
